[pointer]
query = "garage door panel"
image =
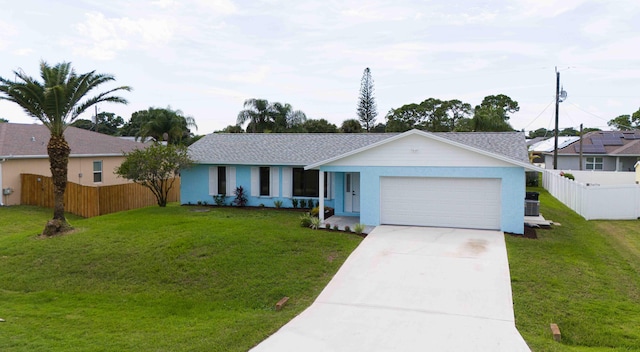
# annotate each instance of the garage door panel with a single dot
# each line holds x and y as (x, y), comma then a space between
(444, 202)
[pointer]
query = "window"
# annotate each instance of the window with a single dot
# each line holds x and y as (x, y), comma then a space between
(264, 181)
(222, 180)
(594, 163)
(305, 183)
(97, 171)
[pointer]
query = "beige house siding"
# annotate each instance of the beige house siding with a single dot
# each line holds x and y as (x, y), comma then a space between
(80, 171)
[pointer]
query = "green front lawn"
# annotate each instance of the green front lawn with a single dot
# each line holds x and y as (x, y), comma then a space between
(583, 276)
(159, 279)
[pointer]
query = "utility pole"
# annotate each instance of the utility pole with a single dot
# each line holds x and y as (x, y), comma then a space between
(580, 147)
(555, 148)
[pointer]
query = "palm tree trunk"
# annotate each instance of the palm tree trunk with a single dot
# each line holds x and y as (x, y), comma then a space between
(58, 150)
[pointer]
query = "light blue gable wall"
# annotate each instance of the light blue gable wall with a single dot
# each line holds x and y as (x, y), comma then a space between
(194, 187)
(513, 188)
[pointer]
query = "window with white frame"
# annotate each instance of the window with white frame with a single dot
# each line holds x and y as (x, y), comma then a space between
(594, 163)
(265, 181)
(97, 171)
(222, 180)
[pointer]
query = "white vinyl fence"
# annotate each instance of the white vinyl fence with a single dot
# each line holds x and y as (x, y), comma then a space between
(594, 201)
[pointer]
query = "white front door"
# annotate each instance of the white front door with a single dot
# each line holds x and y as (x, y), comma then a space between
(352, 192)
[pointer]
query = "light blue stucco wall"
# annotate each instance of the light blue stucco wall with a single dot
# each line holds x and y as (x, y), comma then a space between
(194, 187)
(512, 192)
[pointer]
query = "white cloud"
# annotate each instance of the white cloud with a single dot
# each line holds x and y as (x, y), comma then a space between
(22, 51)
(218, 7)
(8, 31)
(545, 8)
(255, 76)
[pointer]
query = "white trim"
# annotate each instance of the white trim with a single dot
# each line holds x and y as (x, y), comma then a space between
(1, 185)
(213, 180)
(274, 181)
(255, 181)
(427, 135)
(287, 184)
(321, 195)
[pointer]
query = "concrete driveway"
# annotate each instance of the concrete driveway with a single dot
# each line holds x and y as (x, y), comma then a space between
(412, 289)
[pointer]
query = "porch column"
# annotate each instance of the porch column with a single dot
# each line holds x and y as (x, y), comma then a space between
(617, 163)
(321, 195)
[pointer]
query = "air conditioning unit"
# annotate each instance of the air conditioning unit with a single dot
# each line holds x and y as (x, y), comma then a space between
(531, 208)
(7, 191)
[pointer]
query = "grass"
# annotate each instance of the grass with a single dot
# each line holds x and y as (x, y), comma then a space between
(583, 276)
(159, 279)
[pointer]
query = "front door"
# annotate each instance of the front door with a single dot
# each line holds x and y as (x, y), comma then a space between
(352, 192)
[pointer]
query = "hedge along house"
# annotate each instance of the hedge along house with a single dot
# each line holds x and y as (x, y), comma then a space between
(417, 178)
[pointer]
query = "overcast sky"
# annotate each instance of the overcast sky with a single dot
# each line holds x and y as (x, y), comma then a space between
(205, 57)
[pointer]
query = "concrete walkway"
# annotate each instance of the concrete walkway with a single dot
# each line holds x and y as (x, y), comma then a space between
(412, 289)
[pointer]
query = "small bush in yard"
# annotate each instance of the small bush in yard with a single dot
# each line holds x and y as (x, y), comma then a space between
(568, 175)
(219, 199)
(347, 229)
(336, 228)
(241, 197)
(305, 220)
(294, 202)
(315, 223)
(358, 228)
(277, 203)
(327, 226)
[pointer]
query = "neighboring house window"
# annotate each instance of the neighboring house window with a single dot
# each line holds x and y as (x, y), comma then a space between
(264, 181)
(97, 171)
(305, 183)
(594, 163)
(222, 180)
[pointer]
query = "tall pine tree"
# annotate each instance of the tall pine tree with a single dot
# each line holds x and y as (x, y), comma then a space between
(367, 110)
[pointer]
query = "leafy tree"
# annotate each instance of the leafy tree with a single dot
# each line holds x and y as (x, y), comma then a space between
(56, 101)
(155, 167)
(107, 123)
(626, 122)
(465, 124)
(493, 113)
(540, 132)
(568, 131)
(379, 128)
(456, 112)
(432, 114)
(3, 120)
(351, 126)
(367, 110)
(232, 129)
(590, 129)
(319, 126)
(132, 127)
(166, 125)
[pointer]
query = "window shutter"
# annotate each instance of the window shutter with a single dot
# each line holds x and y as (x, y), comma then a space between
(213, 180)
(330, 191)
(255, 182)
(231, 180)
(287, 185)
(274, 180)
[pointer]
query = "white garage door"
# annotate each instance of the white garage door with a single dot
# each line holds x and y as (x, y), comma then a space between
(441, 202)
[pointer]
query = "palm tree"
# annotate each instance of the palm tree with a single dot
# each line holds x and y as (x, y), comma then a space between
(285, 118)
(259, 113)
(57, 101)
(166, 125)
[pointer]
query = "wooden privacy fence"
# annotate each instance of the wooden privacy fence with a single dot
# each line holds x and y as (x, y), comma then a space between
(89, 201)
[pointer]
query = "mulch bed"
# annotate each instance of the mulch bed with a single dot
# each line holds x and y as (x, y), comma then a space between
(529, 232)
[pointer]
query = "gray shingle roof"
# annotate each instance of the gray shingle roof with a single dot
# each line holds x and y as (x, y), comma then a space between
(309, 148)
(30, 140)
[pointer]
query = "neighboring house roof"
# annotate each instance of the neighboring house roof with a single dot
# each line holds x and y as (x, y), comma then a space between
(616, 143)
(535, 140)
(548, 145)
(30, 141)
(310, 148)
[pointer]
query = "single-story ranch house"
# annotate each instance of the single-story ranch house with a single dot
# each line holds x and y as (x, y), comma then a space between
(465, 180)
(23, 150)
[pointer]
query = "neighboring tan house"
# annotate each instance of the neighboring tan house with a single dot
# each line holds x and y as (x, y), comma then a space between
(466, 180)
(23, 150)
(601, 151)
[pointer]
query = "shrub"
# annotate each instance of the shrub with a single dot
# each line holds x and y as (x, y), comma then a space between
(336, 228)
(317, 203)
(315, 223)
(294, 202)
(347, 228)
(532, 178)
(241, 197)
(568, 175)
(327, 226)
(315, 211)
(261, 205)
(219, 199)
(277, 203)
(305, 220)
(358, 228)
